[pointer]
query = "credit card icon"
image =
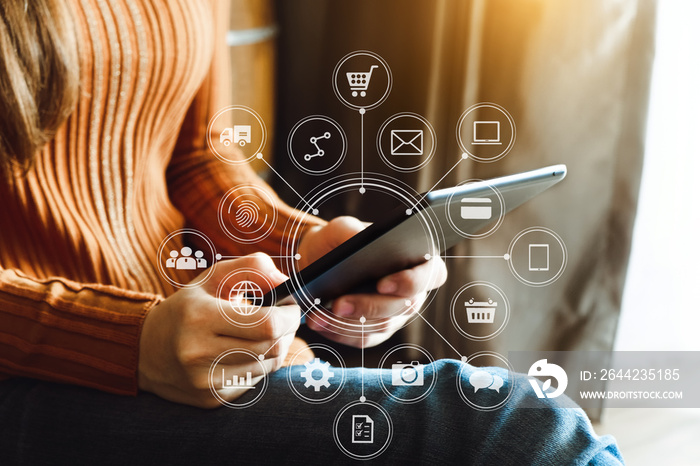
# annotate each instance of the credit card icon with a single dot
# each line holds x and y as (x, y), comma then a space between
(476, 208)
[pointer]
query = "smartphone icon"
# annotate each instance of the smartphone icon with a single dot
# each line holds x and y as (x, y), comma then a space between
(538, 257)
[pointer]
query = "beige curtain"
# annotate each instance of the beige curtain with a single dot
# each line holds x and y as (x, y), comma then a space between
(575, 77)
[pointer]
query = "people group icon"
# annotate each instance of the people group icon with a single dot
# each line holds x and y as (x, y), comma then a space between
(183, 260)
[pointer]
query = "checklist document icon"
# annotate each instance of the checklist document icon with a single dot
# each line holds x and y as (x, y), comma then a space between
(362, 429)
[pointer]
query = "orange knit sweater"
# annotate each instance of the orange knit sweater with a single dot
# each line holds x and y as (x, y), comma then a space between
(79, 234)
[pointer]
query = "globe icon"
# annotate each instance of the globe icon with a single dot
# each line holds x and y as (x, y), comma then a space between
(246, 297)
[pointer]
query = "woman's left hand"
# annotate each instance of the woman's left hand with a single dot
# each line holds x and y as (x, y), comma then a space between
(386, 311)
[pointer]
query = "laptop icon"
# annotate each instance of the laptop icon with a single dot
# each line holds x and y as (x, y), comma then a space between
(486, 133)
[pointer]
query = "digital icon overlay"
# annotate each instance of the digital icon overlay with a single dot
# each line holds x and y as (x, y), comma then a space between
(476, 208)
(362, 429)
(359, 81)
(320, 379)
(182, 260)
(317, 145)
(317, 374)
(486, 132)
(407, 374)
(233, 381)
(362, 80)
(182, 264)
(236, 135)
(485, 381)
(406, 142)
(242, 291)
(247, 213)
(537, 256)
(239, 134)
(408, 382)
(479, 215)
(480, 311)
(246, 297)
(225, 380)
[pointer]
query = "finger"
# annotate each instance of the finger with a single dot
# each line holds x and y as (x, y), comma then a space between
(349, 327)
(423, 277)
(372, 306)
(340, 229)
(267, 349)
(319, 241)
(258, 268)
(265, 324)
(258, 359)
(357, 341)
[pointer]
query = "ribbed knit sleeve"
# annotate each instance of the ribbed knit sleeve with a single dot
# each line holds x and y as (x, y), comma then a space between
(80, 232)
(198, 180)
(63, 331)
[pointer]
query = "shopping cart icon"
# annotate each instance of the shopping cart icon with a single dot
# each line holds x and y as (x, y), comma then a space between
(480, 312)
(359, 81)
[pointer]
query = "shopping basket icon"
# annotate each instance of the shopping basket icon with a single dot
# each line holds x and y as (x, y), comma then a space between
(480, 312)
(359, 81)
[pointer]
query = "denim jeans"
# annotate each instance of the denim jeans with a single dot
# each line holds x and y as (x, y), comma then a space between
(48, 423)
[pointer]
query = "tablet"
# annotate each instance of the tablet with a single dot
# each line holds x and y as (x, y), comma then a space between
(410, 235)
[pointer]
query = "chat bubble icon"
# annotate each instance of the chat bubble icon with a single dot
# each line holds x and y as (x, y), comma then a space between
(481, 379)
(497, 383)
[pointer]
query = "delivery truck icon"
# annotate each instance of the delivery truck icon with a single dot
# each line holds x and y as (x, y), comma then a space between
(239, 134)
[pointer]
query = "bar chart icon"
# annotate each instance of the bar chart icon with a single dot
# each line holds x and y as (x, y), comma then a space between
(237, 382)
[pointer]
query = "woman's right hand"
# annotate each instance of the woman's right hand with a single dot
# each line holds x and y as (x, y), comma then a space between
(185, 333)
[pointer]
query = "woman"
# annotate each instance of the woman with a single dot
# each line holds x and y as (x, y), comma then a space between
(102, 145)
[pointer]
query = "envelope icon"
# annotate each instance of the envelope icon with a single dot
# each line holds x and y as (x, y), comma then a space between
(406, 142)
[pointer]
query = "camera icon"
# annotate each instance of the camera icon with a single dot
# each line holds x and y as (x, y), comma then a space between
(407, 374)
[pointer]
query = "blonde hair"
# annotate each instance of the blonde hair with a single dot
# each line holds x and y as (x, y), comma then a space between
(39, 76)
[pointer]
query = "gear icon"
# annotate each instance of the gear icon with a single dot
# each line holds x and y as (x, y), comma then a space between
(317, 365)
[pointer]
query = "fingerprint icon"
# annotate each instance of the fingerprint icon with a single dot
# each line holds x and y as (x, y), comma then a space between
(247, 213)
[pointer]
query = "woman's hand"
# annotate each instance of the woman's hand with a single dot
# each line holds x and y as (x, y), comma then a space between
(185, 333)
(384, 309)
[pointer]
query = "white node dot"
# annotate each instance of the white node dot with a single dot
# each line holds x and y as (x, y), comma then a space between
(464, 359)
(409, 211)
(259, 155)
(317, 301)
(363, 190)
(428, 257)
(297, 256)
(363, 320)
(408, 303)
(261, 357)
(506, 256)
(363, 399)
(465, 155)
(218, 257)
(362, 111)
(315, 211)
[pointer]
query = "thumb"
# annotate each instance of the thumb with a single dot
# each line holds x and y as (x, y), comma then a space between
(258, 268)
